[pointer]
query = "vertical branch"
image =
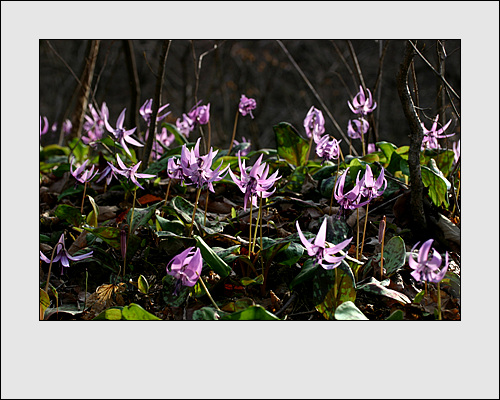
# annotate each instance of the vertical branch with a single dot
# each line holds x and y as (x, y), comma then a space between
(84, 89)
(156, 103)
(441, 93)
(133, 78)
(416, 136)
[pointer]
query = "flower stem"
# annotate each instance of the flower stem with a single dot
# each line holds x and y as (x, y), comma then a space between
(166, 195)
(256, 225)
(209, 136)
(234, 132)
(382, 257)
(194, 211)
(357, 234)
(335, 287)
(129, 231)
(83, 198)
(206, 208)
(208, 293)
(439, 301)
(362, 143)
(364, 229)
(250, 230)
(309, 148)
(50, 266)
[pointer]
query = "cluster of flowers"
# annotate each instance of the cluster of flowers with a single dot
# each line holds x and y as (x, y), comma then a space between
(361, 105)
(326, 147)
(426, 266)
(431, 136)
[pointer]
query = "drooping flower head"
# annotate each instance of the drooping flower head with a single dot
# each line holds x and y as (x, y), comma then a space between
(255, 183)
(200, 114)
(370, 187)
(356, 128)
(146, 111)
(45, 128)
(109, 173)
(328, 148)
(81, 174)
(247, 105)
(121, 135)
(426, 266)
(67, 126)
(95, 126)
(63, 255)
(131, 172)
(314, 124)
(430, 140)
(321, 250)
(352, 199)
(186, 268)
(362, 104)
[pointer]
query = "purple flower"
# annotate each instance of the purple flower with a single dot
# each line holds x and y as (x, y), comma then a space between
(67, 126)
(163, 138)
(185, 125)
(131, 172)
(359, 129)
(255, 183)
(426, 266)
(196, 169)
(431, 136)
(109, 172)
(45, 126)
(370, 187)
(371, 148)
(147, 111)
(320, 248)
(314, 123)
(200, 114)
(456, 150)
(63, 255)
(81, 174)
(174, 169)
(121, 134)
(186, 268)
(362, 104)
(245, 151)
(351, 199)
(95, 126)
(247, 105)
(328, 149)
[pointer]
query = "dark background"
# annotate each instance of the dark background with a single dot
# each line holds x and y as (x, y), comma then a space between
(257, 68)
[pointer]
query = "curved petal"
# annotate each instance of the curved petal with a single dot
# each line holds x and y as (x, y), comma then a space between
(79, 257)
(423, 253)
(303, 239)
(321, 236)
(121, 119)
(44, 258)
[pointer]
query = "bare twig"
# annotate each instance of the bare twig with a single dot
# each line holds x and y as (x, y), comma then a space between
(356, 64)
(346, 64)
(133, 78)
(323, 105)
(416, 137)
(156, 104)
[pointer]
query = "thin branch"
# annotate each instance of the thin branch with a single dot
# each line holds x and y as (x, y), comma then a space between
(346, 64)
(356, 64)
(134, 83)
(156, 103)
(323, 105)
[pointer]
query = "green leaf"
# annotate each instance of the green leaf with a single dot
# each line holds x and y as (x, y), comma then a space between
(307, 272)
(141, 216)
(70, 191)
(348, 311)
(110, 314)
(394, 255)
(217, 264)
(44, 301)
(252, 313)
(134, 312)
(69, 214)
(387, 148)
(259, 280)
(397, 315)
(296, 179)
(179, 137)
(290, 255)
(291, 146)
(418, 298)
(170, 299)
(207, 314)
(143, 284)
(111, 236)
(437, 184)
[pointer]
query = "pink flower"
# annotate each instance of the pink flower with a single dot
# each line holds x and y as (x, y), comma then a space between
(63, 255)
(122, 135)
(314, 123)
(186, 268)
(247, 105)
(426, 266)
(362, 104)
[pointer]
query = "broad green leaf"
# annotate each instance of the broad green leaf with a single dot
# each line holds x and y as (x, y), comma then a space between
(94, 214)
(291, 146)
(44, 302)
(111, 314)
(253, 313)
(216, 263)
(394, 255)
(374, 286)
(111, 236)
(307, 272)
(290, 254)
(444, 161)
(336, 230)
(71, 191)
(134, 312)
(370, 158)
(143, 284)
(437, 184)
(396, 316)
(418, 298)
(141, 216)
(348, 311)
(387, 148)
(296, 179)
(69, 214)
(207, 314)
(176, 227)
(325, 172)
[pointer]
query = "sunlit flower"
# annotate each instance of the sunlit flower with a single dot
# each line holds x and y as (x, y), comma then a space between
(255, 183)
(186, 268)
(247, 105)
(174, 169)
(200, 114)
(328, 148)
(361, 104)
(63, 255)
(314, 123)
(321, 250)
(131, 172)
(95, 126)
(357, 128)
(426, 266)
(81, 174)
(351, 199)
(122, 135)
(370, 187)
(430, 140)
(45, 128)
(456, 150)
(185, 125)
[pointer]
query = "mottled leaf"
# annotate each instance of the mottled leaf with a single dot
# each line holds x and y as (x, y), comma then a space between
(68, 213)
(291, 146)
(394, 255)
(217, 264)
(348, 311)
(437, 184)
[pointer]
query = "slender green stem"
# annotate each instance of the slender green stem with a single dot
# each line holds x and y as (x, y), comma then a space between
(250, 230)
(335, 287)
(382, 256)
(194, 211)
(209, 136)
(83, 198)
(50, 266)
(166, 195)
(86, 282)
(309, 148)
(129, 231)
(234, 132)
(256, 225)
(362, 142)
(208, 293)
(364, 229)
(357, 234)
